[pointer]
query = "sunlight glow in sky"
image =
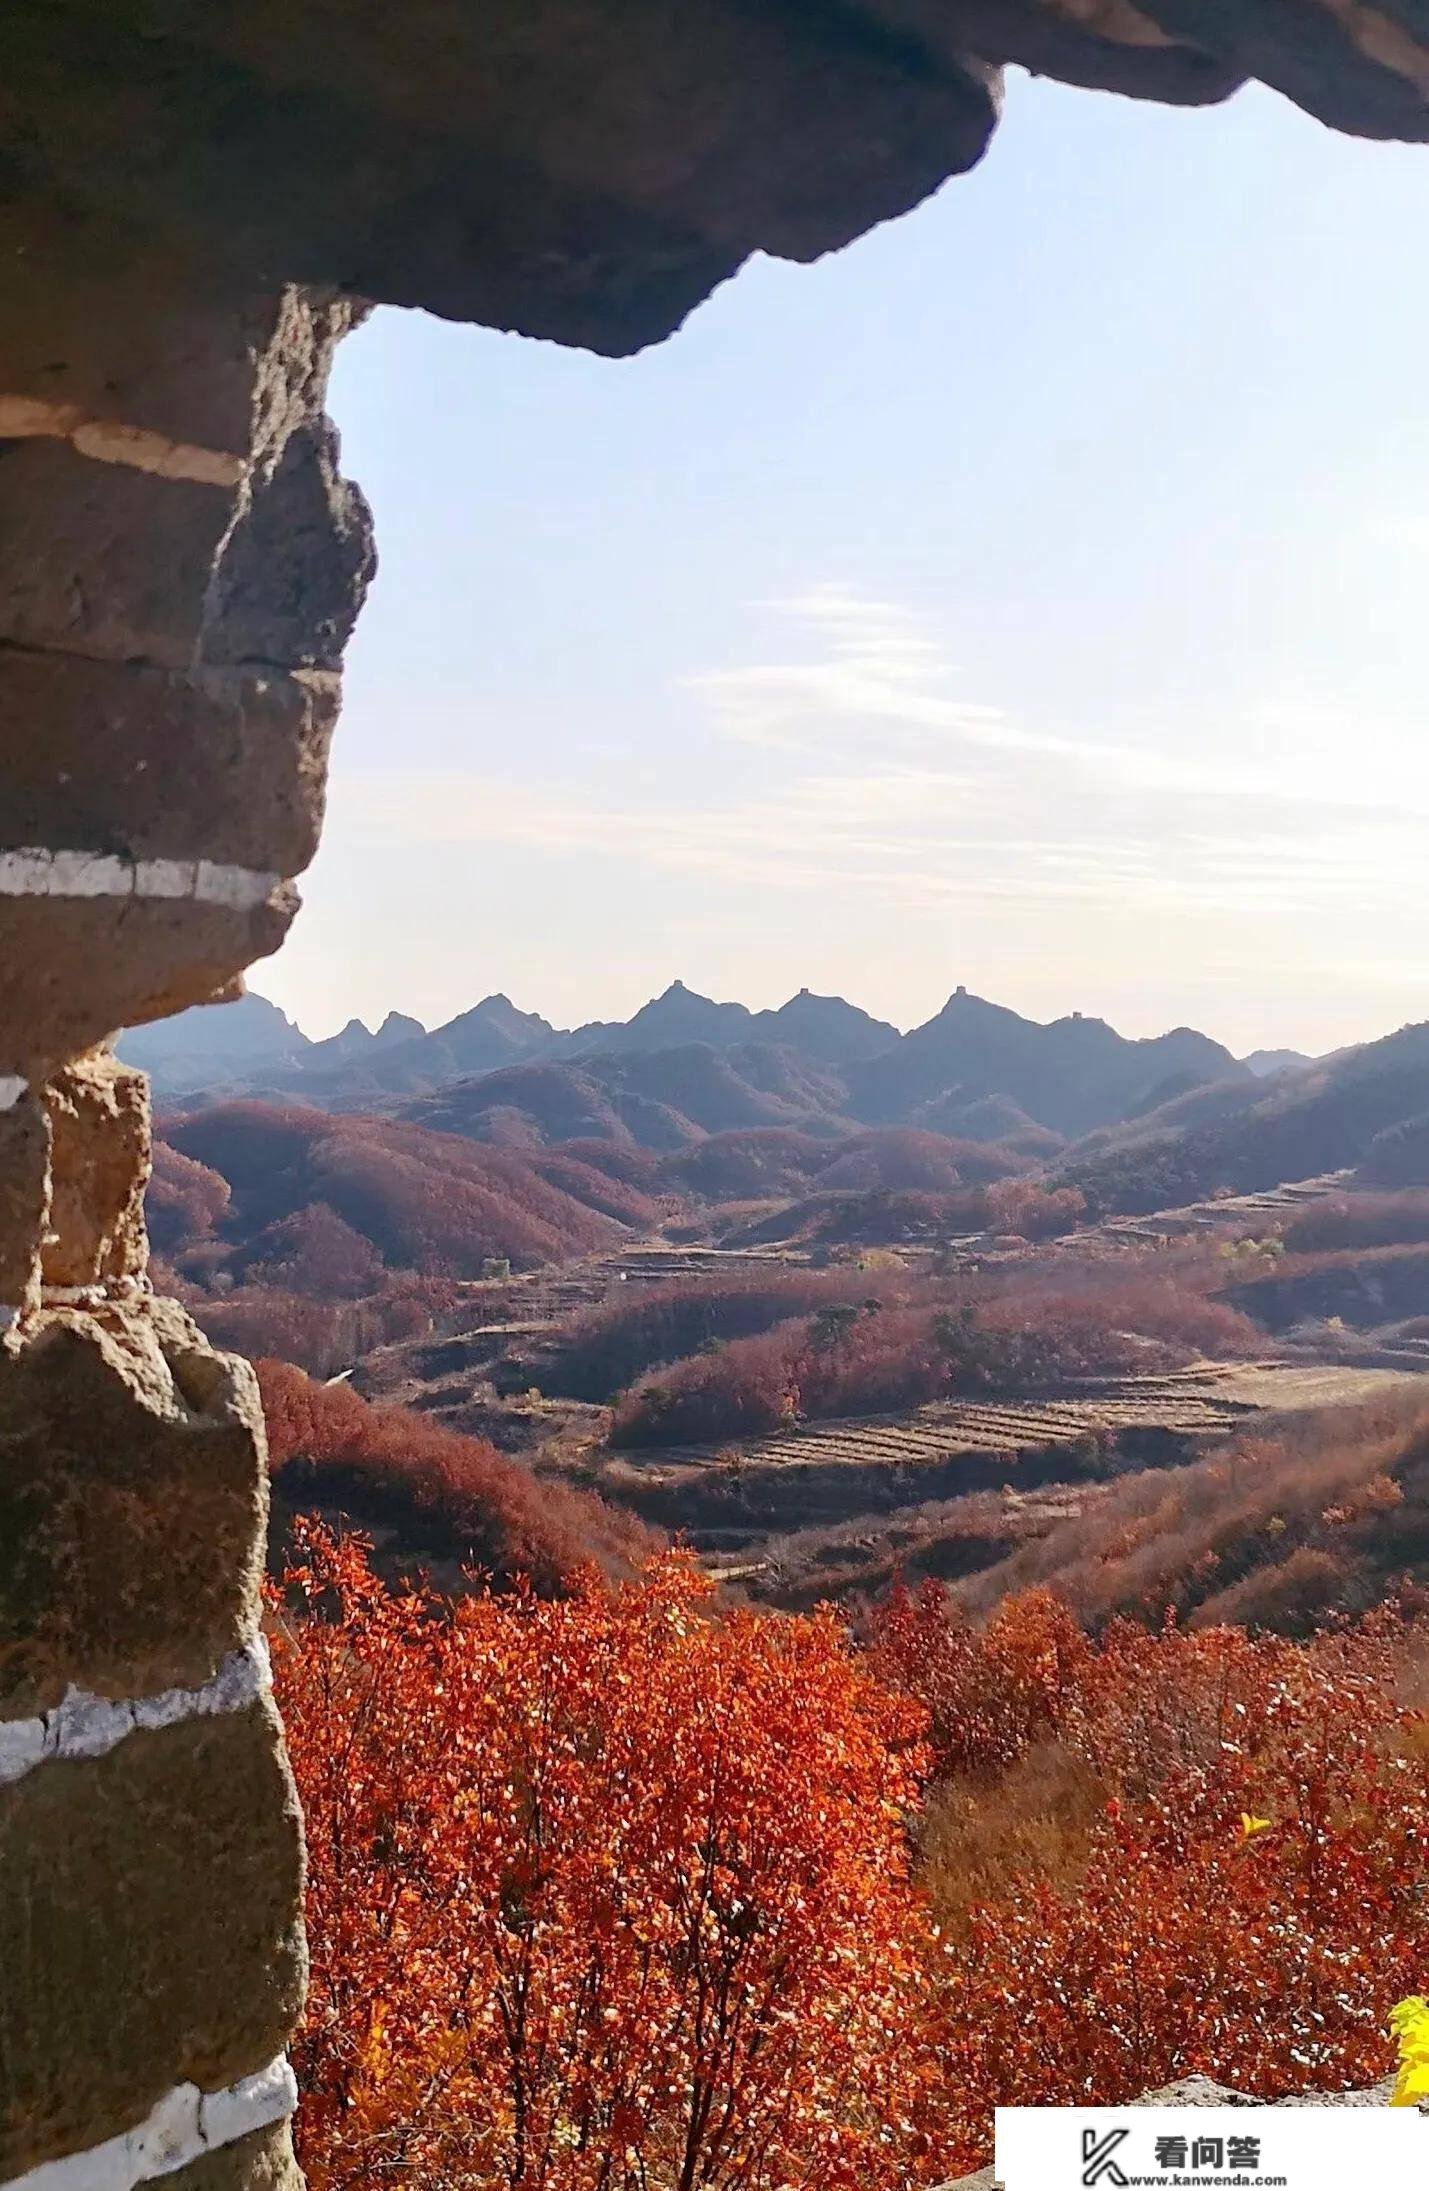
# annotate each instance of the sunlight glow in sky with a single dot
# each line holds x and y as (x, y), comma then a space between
(1032, 596)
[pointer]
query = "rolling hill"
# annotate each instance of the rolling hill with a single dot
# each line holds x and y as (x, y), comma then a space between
(1322, 1513)
(402, 1198)
(658, 1099)
(1364, 1108)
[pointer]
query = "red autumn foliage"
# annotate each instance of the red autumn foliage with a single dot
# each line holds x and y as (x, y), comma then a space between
(430, 1202)
(314, 1252)
(1034, 1213)
(747, 1162)
(1358, 1221)
(604, 1350)
(1110, 1923)
(602, 1894)
(1328, 1512)
(990, 1692)
(843, 1361)
(322, 1336)
(906, 1158)
(316, 1238)
(617, 1891)
(853, 1213)
(1086, 1318)
(875, 1217)
(452, 1499)
(918, 1344)
(185, 1200)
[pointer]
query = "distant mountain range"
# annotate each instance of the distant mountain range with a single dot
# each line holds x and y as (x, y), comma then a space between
(220, 1046)
(684, 1066)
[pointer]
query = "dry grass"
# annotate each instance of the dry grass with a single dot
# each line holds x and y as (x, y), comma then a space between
(976, 1842)
(1278, 1527)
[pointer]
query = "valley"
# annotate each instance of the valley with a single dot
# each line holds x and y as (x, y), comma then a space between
(837, 1508)
(683, 1283)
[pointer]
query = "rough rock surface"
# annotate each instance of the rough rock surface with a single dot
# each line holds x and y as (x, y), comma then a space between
(99, 1167)
(589, 172)
(133, 1504)
(229, 762)
(150, 1928)
(182, 602)
(24, 1195)
(263, 2161)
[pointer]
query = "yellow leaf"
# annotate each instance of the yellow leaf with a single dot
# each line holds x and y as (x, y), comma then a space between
(1409, 2022)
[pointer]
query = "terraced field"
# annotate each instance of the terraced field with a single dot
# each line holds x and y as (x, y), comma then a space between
(505, 1322)
(832, 1508)
(1250, 1214)
(728, 1499)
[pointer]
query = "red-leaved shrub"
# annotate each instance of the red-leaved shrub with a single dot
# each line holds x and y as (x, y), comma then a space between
(1164, 1853)
(602, 1895)
(185, 1200)
(623, 1891)
(873, 1356)
(602, 1351)
(453, 1498)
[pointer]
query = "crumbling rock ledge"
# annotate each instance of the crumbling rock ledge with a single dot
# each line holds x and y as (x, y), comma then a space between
(588, 170)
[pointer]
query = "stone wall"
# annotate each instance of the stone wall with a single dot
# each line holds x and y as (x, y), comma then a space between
(193, 200)
(180, 564)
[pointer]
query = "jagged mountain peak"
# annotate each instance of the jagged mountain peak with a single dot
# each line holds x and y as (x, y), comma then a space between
(399, 1027)
(679, 1014)
(1067, 1076)
(965, 1004)
(828, 1028)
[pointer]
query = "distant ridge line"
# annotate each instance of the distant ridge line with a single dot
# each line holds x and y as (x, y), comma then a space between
(821, 1062)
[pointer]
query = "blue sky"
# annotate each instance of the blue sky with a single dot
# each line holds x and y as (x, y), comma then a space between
(1031, 596)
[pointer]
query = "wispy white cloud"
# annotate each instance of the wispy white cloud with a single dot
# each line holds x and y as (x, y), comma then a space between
(874, 664)
(865, 769)
(874, 680)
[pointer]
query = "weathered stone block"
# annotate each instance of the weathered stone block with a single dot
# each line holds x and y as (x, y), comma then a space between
(102, 559)
(263, 2161)
(75, 967)
(179, 338)
(229, 767)
(295, 570)
(99, 1163)
(133, 1506)
(24, 1193)
(150, 1929)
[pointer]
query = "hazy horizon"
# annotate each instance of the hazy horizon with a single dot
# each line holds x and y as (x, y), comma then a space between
(1030, 596)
